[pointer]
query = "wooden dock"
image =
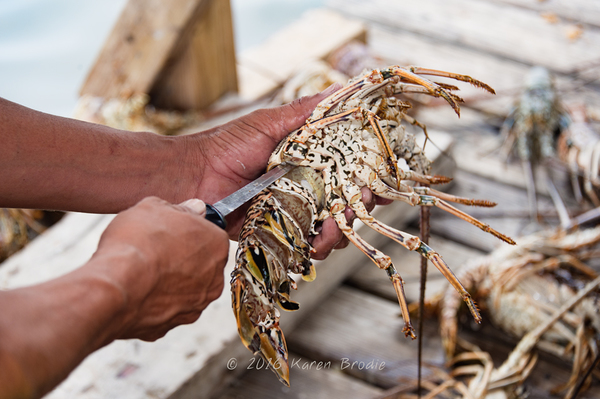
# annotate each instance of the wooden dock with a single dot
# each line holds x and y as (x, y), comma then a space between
(346, 340)
(338, 349)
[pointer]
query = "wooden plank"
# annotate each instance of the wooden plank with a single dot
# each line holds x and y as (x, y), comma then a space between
(313, 37)
(477, 152)
(504, 75)
(575, 11)
(201, 72)
(171, 40)
(484, 26)
(352, 326)
(310, 379)
(60, 249)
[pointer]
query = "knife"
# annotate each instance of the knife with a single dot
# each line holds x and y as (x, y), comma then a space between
(216, 212)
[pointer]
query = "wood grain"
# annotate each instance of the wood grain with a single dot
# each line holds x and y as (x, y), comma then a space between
(496, 29)
(182, 51)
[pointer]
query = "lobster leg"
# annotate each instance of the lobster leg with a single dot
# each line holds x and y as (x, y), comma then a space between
(373, 77)
(453, 198)
(382, 261)
(313, 127)
(455, 76)
(415, 122)
(411, 243)
(415, 199)
(364, 174)
(433, 89)
(391, 163)
(401, 88)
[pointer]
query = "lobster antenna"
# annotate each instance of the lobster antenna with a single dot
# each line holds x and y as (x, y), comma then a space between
(587, 374)
(424, 227)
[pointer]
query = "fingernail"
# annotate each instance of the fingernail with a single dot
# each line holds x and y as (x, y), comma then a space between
(332, 89)
(195, 205)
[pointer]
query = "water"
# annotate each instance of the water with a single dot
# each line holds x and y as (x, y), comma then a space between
(48, 46)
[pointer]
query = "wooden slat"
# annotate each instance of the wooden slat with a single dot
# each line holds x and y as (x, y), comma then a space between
(509, 216)
(504, 75)
(359, 327)
(309, 380)
(198, 74)
(60, 249)
(352, 326)
(583, 11)
(512, 32)
(187, 44)
(477, 151)
(313, 37)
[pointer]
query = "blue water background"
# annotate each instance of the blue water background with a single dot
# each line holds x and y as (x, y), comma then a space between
(48, 46)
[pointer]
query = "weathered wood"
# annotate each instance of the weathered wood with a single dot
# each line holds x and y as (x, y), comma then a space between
(204, 70)
(62, 248)
(313, 37)
(506, 76)
(310, 379)
(496, 29)
(477, 151)
(574, 11)
(182, 50)
(354, 326)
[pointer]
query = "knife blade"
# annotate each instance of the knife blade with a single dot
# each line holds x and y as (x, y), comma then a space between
(216, 212)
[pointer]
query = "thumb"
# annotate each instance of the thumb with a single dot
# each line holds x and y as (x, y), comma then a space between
(195, 205)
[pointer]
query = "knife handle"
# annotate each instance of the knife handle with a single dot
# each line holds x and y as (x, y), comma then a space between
(213, 215)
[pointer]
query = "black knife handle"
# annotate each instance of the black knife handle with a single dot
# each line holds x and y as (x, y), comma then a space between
(215, 216)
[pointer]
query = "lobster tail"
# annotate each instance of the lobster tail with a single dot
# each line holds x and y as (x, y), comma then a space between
(273, 243)
(264, 338)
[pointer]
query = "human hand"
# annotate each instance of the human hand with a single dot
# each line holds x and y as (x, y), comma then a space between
(236, 153)
(330, 237)
(168, 260)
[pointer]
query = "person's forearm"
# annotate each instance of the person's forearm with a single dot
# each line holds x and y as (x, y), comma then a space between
(50, 162)
(48, 329)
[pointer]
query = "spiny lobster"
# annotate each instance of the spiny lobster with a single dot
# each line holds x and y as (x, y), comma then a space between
(354, 138)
